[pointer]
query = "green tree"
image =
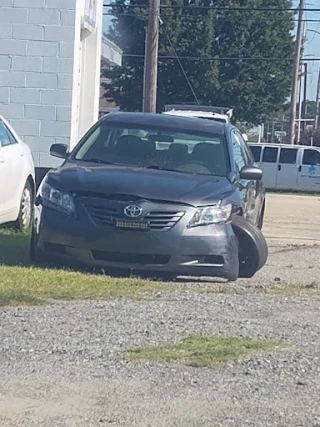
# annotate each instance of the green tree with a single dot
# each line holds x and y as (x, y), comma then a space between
(188, 32)
(253, 88)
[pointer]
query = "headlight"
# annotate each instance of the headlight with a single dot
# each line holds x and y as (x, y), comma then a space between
(211, 215)
(56, 199)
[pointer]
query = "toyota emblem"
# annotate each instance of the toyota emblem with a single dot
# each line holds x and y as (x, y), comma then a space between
(133, 211)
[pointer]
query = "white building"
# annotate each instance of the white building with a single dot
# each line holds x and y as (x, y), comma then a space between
(50, 58)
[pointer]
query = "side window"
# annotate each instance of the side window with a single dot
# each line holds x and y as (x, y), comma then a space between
(11, 137)
(288, 156)
(5, 139)
(239, 156)
(270, 155)
(256, 152)
(311, 157)
(245, 149)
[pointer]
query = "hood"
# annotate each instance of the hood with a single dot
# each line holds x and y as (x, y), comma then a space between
(149, 184)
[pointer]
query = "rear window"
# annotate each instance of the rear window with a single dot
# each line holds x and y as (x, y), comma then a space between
(270, 155)
(311, 157)
(156, 148)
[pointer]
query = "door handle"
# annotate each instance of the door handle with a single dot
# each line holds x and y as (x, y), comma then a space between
(300, 168)
(279, 167)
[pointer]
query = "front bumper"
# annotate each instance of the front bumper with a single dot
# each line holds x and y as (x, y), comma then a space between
(199, 251)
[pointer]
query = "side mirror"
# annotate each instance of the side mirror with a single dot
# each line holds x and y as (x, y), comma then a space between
(59, 150)
(251, 173)
(245, 137)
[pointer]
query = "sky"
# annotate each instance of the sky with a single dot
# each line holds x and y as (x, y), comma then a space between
(312, 44)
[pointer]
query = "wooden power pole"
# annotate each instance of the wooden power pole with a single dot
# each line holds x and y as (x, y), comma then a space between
(305, 89)
(295, 75)
(317, 104)
(151, 59)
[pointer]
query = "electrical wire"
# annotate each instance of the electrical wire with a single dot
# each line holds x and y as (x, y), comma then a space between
(211, 59)
(182, 68)
(237, 9)
(199, 17)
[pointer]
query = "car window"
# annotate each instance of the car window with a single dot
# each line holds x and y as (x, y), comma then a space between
(245, 149)
(11, 137)
(288, 156)
(311, 157)
(270, 155)
(5, 139)
(158, 148)
(239, 156)
(256, 152)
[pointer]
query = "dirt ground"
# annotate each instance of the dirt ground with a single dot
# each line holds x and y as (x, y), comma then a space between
(292, 219)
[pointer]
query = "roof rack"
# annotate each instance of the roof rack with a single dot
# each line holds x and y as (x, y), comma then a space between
(211, 109)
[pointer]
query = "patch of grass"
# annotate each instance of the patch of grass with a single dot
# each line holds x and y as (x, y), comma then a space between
(22, 284)
(201, 351)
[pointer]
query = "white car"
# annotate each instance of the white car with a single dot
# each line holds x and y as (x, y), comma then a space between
(17, 179)
(220, 114)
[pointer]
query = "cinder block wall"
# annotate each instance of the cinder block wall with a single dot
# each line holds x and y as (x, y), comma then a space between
(36, 71)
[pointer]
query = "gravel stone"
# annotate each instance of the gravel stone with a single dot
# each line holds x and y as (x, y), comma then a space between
(64, 364)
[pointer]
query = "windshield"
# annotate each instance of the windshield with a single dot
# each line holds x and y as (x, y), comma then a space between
(155, 148)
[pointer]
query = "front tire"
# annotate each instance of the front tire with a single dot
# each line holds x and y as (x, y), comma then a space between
(253, 248)
(26, 210)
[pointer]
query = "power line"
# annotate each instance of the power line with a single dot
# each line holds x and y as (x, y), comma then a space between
(182, 68)
(237, 9)
(199, 17)
(239, 58)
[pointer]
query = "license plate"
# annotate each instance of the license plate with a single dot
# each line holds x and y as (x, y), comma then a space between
(133, 225)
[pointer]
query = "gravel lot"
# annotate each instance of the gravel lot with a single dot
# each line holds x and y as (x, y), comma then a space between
(63, 365)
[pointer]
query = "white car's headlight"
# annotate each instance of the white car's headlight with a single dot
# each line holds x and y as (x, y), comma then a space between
(211, 215)
(56, 199)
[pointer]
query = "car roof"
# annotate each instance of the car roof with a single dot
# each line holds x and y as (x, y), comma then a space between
(178, 123)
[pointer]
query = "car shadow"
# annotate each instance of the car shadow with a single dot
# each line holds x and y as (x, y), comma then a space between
(14, 248)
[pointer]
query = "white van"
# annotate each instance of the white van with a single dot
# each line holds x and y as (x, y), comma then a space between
(288, 167)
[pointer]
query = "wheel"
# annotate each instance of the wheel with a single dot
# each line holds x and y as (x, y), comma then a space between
(253, 248)
(26, 209)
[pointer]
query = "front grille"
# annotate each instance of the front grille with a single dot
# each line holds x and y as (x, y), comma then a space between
(146, 259)
(159, 220)
(162, 220)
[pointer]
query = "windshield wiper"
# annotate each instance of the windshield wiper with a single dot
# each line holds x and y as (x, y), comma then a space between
(157, 167)
(103, 162)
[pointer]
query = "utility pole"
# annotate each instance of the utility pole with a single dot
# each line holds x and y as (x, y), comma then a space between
(304, 110)
(317, 104)
(299, 107)
(151, 58)
(295, 75)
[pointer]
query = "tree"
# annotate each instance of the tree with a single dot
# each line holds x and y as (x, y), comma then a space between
(191, 33)
(253, 88)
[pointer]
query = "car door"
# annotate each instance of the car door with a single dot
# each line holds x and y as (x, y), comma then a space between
(269, 165)
(248, 189)
(287, 175)
(11, 168)
(309, 171)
